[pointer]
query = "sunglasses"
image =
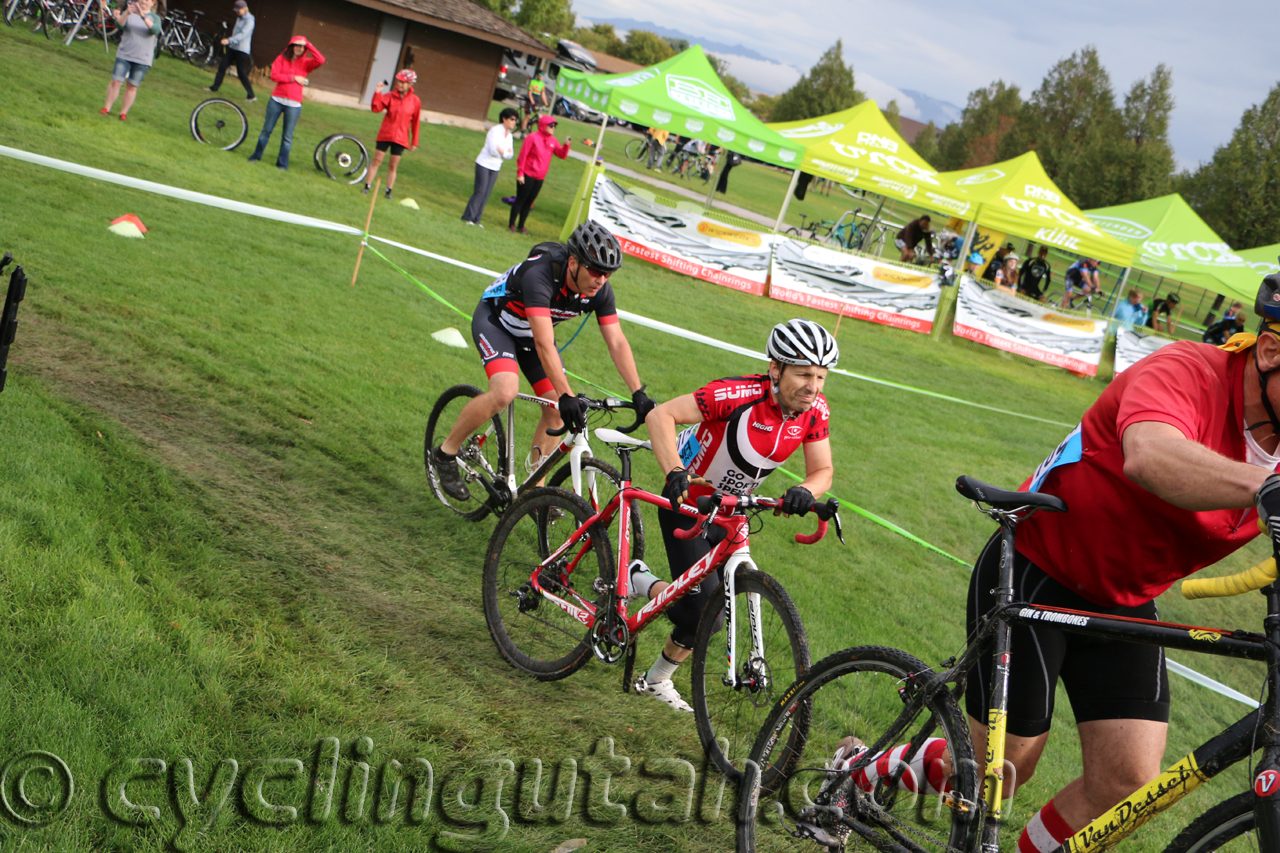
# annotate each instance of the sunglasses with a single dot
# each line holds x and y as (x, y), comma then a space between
(595, 272)
(552, 124)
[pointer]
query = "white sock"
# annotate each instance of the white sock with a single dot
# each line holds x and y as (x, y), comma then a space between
(662, 670)
(642, 580)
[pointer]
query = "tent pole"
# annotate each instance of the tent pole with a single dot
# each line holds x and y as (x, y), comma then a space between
(875, 220)
(711, 194)
(938, 332)
(1115, 294)
(786, 201)
(604, 122)
(589, 185)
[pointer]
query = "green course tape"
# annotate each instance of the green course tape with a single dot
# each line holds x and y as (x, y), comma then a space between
(885, 523)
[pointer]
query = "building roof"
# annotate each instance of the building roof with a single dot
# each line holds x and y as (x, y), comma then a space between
(607, 64)
(911, 128)
(466, 17)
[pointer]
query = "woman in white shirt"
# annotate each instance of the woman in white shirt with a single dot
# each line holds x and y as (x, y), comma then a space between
(498, 146)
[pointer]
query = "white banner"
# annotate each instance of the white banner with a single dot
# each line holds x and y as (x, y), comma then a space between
(681, 238)
(854, 286)
(1131, 346)
(1029, 329)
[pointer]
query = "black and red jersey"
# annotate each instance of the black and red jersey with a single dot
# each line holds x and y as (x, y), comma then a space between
(744, 435)
(536, 287)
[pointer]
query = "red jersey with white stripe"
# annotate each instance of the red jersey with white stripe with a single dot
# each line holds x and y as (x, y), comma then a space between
(744, 435)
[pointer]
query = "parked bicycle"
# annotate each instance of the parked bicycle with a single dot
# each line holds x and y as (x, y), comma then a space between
(845, 233)
(487, 460)
(554, 596)
(640, 148)
(892, 701)
(183, 40)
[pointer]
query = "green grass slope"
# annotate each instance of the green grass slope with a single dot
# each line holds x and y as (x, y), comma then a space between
(219, 545)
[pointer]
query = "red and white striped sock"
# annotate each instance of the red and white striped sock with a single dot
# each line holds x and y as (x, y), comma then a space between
(1045, 833)
(928, 764)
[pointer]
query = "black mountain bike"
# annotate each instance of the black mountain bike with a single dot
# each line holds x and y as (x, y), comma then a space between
(891, 700)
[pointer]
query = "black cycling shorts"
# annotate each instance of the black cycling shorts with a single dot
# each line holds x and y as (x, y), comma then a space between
(681, 554)
(1105, 679)
(502, 352)
(383, 144)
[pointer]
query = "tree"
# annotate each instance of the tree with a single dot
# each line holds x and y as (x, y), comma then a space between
(552, 17)
(827, 88)
(501, 7)
(735, 86)
(926, 144)
(763, 106)
(1145, 123)
(892, 113)
(1238, 192)
(601, 38)
(989, 116)
(678, 45)
(645, 48)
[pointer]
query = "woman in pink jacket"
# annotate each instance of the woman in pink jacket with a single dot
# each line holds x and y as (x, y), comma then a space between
(290, 72)
(532, 165)
(399, 126)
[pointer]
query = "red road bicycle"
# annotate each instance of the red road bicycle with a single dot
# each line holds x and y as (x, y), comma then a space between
(554, 596)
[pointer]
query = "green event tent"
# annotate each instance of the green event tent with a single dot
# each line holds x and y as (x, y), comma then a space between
(1173, 241)
(859, 147)
(1017, 197)
(1262, 260)
(684, 95)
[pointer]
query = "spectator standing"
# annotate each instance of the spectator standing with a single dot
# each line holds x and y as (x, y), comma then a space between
(399, 126)
(290, 71)
(911, 235)
(531, 169)
(1162, 319)
(137, 50)
(989, 274)
(238, 46)
(498, 146)
(1220, 332)
(657, 147)
(1133, 312)
(1007, 275)
(1035, 276)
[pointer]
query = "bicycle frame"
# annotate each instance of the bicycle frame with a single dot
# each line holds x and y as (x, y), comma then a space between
(1260, 729)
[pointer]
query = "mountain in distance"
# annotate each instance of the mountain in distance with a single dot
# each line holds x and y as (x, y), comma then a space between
(941, 113)
(668, 33)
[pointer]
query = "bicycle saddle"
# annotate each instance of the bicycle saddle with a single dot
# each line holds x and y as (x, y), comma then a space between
(612, 436)
(976, 490)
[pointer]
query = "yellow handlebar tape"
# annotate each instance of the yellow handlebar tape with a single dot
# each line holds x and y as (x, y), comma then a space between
(1237, 584)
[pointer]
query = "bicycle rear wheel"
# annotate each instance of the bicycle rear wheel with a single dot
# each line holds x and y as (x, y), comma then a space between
(533, 633)
(320, 150)
(479, 457)
(637, 149)
(592, 470)
(220, 123)
(865, 692)
(1229, 826)
(345, 158)
(735, 714)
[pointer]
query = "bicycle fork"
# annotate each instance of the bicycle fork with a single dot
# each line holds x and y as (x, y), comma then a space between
(998, 705)
(754, 680)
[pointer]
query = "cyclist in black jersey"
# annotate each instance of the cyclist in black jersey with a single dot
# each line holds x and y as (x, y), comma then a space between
(514, 330)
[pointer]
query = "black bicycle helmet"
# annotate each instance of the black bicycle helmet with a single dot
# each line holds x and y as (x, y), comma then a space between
(1267, 303)
(592, 244)
(802, 342)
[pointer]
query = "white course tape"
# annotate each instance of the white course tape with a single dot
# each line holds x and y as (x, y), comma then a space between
(312, 222)
(174, 192)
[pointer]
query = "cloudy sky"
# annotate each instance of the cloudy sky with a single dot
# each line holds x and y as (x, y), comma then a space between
(1224, 56)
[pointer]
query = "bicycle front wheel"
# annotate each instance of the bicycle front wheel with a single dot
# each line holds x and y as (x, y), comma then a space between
(864, 692)
(1228, 826)
(533, 633)
(220, 123)
(592, 470)
(729, 717)
(479, 458)
(637, 149)
(345, 158)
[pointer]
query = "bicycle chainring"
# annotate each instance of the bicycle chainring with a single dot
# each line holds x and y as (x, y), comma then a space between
(610, 637)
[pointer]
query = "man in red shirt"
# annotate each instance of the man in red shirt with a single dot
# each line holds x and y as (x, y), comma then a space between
(743, 428)
(1161, 479)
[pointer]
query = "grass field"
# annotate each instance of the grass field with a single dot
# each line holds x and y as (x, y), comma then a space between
(219, 543)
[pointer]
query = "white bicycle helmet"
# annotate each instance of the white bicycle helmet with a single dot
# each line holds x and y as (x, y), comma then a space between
(802, 342)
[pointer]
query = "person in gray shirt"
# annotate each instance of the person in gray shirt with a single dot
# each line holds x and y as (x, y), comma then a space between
(238, 45)
(140, 25)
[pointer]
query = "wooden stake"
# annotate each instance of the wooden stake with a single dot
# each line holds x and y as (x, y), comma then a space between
(360, 254)
(838, 319)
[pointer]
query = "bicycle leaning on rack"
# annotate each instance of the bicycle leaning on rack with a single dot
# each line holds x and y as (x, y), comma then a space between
(554, 595)
(892, 701)
(487, 460)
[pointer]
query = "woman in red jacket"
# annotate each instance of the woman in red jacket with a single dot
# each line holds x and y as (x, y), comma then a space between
(399, 126)
(532, 165)
(290, 72)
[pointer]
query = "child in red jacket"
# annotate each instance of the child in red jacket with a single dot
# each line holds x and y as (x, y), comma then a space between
(399, 126)
(290, 72)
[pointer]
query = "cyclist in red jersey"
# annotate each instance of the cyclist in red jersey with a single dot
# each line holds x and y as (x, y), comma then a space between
(742, 428)
(514, 332)
(1161, 478)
